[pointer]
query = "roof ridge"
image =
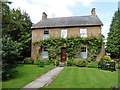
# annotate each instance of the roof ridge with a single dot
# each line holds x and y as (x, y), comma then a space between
(69, 17)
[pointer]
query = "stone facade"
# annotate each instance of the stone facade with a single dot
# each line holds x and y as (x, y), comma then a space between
(91, 23)
(38, 34)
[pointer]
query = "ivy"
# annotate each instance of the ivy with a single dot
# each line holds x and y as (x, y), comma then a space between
(73, 45)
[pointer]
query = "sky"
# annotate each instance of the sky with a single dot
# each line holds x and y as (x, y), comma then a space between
(105, 9)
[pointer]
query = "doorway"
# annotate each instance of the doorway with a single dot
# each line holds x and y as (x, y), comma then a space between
(63, 54)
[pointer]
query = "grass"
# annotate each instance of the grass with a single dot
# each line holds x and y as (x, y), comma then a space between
(76, 77)
(26, 74)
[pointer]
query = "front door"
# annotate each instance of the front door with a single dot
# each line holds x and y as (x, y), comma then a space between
(63, 54)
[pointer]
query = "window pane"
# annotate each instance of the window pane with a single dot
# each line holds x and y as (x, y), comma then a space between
(64, 33)
(84, 52)
(44, 53)
(44, 49)
(46, 31)
(46, 36)
(83, 32)
(83, 49)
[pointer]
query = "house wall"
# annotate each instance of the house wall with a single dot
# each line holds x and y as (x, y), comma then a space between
(56, 32)
(38, 34)
(73, 31)
(96, 31)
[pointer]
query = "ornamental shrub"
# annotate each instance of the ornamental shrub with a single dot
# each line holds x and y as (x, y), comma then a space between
(80, 63)
(55, 62)
(70, 63)
(10, 53)
(36, 62)
(46, 61)
(28, 60)
(105, 58)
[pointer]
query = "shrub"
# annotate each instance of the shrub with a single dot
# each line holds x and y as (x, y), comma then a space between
(80, 63)
(105, 58)
(36, 62)
(93, 64)
(10, 53)
(117, 66)
(28, 60)
(47, 62)
(41, 63)
(70, 63)
(55, 62)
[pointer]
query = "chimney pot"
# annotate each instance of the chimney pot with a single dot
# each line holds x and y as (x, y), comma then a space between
(93, 12)
(44, 16)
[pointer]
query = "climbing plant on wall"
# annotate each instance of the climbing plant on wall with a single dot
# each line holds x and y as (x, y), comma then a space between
(73, 45)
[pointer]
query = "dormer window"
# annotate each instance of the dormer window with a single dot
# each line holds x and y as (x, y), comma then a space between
(46, 34)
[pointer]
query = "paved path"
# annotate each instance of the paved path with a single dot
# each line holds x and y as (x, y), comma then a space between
(44, 79)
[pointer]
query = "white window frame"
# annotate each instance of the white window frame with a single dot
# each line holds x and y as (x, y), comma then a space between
(83, 32)
(46, 35)
(63, 33)
(44, 53)
(84, 52)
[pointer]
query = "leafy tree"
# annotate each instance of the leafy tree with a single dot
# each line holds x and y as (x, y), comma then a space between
(17, 24)
(5, 18)
(10, 53)
(113, 40)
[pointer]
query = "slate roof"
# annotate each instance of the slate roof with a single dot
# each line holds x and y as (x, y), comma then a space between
(69, 22)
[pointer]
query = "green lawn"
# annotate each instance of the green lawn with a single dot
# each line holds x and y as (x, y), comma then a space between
(26, 73)
(76, 77)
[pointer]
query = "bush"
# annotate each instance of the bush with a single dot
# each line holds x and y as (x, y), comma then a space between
(41, 63)
(105, 58)
(28, 60)
(80, 63)
(93, 64)
(70, 63)
(55, 62)
(10, 53)
(117, 66)
(36, 62)
(47, 62)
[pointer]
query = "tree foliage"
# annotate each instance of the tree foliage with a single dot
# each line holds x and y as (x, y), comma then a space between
(10, 53)
(16, 38)
(113, 40)
(17, 24)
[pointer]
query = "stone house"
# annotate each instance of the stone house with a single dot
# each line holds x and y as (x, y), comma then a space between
(83, 26)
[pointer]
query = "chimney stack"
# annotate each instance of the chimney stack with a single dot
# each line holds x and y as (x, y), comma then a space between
(93, 13)
(44, 16)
